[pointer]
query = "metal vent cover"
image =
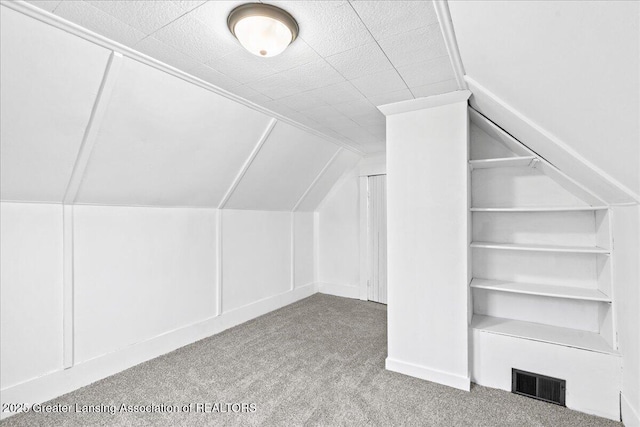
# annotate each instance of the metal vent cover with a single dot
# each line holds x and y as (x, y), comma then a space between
(538, 386)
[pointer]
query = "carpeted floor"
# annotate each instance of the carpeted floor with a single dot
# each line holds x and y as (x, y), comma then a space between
(319, 361)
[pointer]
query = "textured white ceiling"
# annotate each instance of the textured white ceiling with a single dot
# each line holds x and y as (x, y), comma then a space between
(350, 57)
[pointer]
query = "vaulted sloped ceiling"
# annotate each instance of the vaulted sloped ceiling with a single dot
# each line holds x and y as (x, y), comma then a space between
(350, 57)
(78, 119)
(286, 165)
(49, 82)
(563, 78)
(165, 141)
(343, 161)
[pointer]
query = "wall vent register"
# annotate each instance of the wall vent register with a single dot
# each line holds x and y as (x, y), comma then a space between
(538, 386)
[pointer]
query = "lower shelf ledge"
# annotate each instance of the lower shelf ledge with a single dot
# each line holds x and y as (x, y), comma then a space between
(552, 291)
(567, 337)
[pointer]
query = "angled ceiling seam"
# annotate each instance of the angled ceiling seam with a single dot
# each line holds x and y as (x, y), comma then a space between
(247, 164)
(111, 73)
(317, 178)
(69, 27)
(449, 35)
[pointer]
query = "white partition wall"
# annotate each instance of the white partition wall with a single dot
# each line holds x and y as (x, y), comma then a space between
(427, 185)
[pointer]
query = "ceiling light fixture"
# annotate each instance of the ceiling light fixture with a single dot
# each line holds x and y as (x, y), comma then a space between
(262, 29)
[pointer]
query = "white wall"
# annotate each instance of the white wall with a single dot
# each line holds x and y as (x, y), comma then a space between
(30, 291)
(340, 234)
(145, 282)
(339, 239)
(256, 261)
(140, 272)
(626, 281)
(428, 240)
(304, 248)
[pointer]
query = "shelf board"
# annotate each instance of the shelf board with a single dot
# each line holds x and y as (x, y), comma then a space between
(545, 333)
(540, 248)
(543, 209)
(502, 162)
(553, 291)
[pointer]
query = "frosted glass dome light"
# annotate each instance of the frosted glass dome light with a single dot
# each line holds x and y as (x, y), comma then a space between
(262, 29)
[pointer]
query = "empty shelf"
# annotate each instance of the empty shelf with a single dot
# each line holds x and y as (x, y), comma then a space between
(568, 292)
(543, 209)
(501, 163)
(537, 332)
(540, 248)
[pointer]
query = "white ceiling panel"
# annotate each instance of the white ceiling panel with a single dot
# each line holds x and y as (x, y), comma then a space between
(146, 16)
(360, 61)
(428, 72)
(314, 75)
(101, 22)
(380, 51)
(163, 52)
(167, 142)
(242, 67)
(329, 27)
(195, 39)
(49, 81)
(337, 93)
(411, 47)
(287, 164)
(390, 97)
(341, 164)
(379, 83)
(388, 18)
(435, 88)
(207, 73)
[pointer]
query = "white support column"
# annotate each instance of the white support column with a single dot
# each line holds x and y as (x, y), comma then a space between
(427, 228)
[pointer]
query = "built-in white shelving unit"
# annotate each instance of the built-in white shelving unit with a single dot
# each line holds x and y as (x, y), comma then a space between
(541, 251)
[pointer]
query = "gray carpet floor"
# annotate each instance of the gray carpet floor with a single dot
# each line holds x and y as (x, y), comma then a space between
(319, 361)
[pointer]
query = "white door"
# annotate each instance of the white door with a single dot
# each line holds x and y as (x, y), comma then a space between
(377, 238)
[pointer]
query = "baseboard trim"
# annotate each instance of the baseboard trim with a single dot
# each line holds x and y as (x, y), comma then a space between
(57, 383)
(630, 415)
(344, 291)
(433, 375)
